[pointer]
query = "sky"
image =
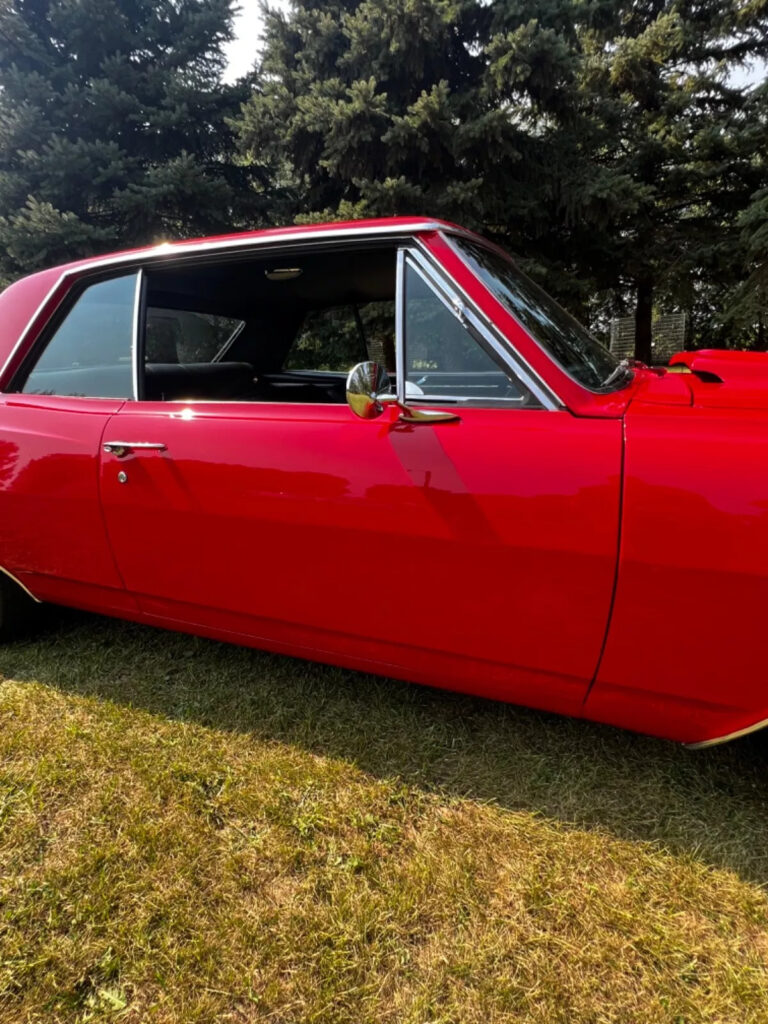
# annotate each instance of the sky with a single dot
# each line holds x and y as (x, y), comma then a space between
(242, 51)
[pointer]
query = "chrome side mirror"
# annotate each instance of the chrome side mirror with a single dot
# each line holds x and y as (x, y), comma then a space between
(365, 384)
(368, 389)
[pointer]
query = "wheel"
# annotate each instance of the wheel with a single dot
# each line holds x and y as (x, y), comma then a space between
(17, 609)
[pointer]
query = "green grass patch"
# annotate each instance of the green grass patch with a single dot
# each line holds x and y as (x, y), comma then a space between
(192, 832)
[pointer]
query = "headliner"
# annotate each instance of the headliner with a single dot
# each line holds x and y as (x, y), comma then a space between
(238, 286)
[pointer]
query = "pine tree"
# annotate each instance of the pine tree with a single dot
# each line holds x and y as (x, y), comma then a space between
(598, 139)
(747, 309)
(438, 107)
(361, 107)
(112, 126)
(656, 79)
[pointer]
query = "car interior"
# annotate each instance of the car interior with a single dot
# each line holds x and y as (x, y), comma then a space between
(275, 328)
(285, 329)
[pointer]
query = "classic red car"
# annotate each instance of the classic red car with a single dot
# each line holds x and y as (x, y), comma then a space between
(381, 446)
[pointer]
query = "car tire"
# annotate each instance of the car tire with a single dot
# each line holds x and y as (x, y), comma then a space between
(17, 610)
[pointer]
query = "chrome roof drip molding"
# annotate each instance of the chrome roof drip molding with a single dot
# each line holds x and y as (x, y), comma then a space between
(258, 241)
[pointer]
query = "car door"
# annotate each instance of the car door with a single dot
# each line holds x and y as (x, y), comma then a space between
(52, 418)
(477, 552)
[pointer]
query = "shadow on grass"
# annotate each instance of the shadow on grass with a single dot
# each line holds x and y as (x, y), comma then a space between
(712, 804)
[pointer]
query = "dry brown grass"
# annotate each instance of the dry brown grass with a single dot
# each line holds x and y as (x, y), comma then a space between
(193, 832)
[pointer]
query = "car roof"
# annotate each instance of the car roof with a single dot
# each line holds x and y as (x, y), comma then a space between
(23, 302)
(379, 227)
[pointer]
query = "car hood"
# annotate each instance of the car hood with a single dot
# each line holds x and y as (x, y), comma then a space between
(724, 378)
(724, 363)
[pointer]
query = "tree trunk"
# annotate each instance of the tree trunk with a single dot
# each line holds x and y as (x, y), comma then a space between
(643, 320)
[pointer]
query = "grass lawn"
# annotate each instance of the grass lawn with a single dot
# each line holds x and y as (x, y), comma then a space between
(196, 832)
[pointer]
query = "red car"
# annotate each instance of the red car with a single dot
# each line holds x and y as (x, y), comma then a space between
(381, 446)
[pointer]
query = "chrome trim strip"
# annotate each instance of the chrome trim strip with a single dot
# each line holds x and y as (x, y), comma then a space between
(19, 584)
(446, 235)
(453, 297)
(135, 346)
(182, 250)
(400, 325)
(169, 251)
(473, 401)
(703, 744)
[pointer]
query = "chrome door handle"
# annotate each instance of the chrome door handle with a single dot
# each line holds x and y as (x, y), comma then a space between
(123, 448)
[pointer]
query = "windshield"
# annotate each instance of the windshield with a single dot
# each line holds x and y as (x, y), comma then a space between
(574, 348)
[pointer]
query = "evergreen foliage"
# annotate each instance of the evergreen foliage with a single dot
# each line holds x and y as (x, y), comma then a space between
(599, 139)
(685, 139)
(112, 126)
(748, 309)
(602, 141)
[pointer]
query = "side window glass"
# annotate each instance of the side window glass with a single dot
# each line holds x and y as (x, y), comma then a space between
(90, 355)
(181, 336)
(328, 339)
(337, 339)
(444, 360)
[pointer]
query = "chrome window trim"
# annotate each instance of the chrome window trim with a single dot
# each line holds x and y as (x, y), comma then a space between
(400, 324)
(408, 233)
(288, 239)
(139, 275)
(446, 236)
(460, 304)
(136, 348)
(474, 401)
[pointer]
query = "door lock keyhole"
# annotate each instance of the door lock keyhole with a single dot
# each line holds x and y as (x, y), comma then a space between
(122, 477)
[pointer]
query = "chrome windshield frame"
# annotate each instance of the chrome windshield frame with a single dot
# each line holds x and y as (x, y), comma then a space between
(448, 238)
(463, 307)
